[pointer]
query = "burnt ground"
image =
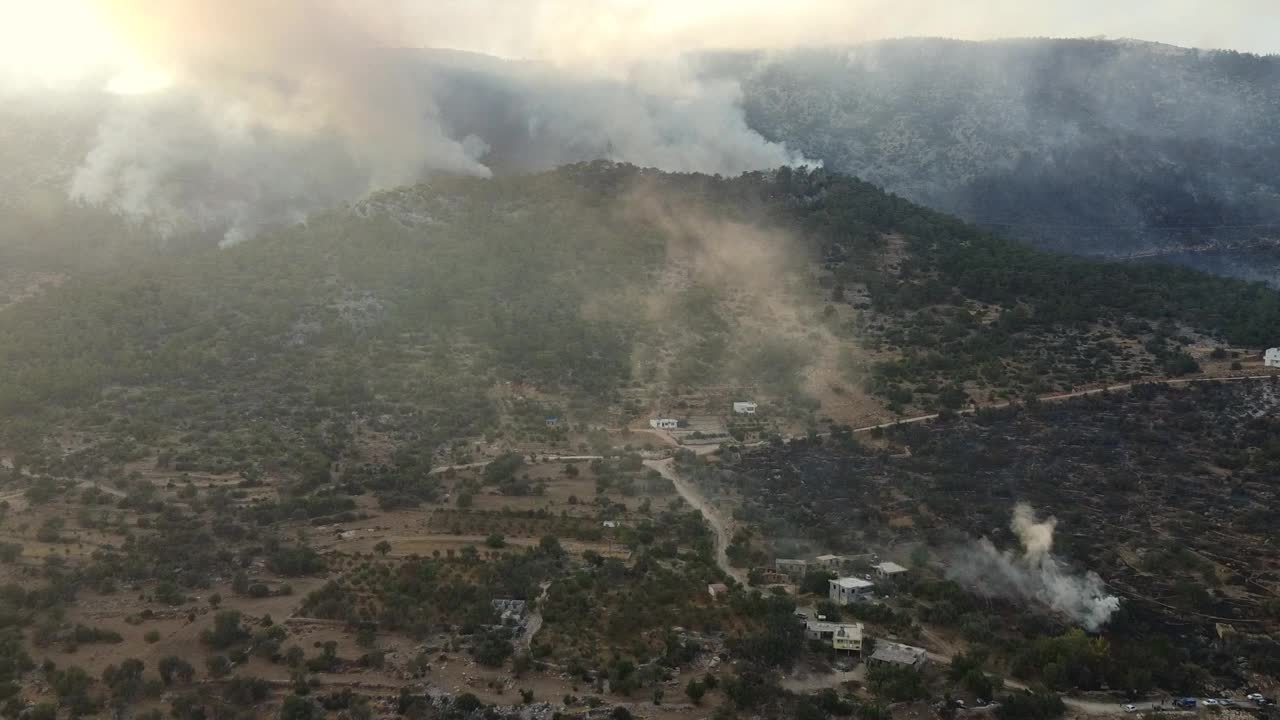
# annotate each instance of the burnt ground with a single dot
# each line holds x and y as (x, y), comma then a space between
(1170, 494)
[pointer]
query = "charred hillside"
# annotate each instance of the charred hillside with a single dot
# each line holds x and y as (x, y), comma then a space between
(1166, 492)
(1086, 146)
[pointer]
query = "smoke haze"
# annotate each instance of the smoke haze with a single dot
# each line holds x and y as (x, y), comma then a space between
(271, 110)
(1033, 573)
(277, 109)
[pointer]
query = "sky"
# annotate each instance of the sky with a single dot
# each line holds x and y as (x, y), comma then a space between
(57, 40)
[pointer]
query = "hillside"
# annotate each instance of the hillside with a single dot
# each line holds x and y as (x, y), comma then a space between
(601, 293)
(1088, 146)
(1165, 492)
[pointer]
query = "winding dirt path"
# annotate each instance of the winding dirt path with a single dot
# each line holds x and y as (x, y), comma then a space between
(721, 525)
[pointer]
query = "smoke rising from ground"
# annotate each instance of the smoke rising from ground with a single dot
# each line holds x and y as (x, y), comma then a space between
(277, 109)
(1033, 573)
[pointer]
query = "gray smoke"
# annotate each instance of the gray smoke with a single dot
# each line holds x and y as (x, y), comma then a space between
(276, 111)
(1033, 573)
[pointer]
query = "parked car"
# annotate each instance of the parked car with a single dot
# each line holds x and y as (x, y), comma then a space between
(1185, 703)
(1131, 708)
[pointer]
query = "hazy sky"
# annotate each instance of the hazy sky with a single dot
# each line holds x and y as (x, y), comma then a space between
(54, 39)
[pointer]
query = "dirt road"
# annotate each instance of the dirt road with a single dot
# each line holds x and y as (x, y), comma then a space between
(719, 522)
(1066, 396)
(469, 466)
(533, 621)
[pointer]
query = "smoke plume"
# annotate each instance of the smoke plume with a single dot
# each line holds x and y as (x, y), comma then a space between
(277, 109)
(1034, 573)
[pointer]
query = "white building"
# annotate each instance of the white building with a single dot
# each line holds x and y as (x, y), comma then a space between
(847, 590)
(889, 569)
(744, 408)
(1272, 358)
(844, 637)
(664, 423)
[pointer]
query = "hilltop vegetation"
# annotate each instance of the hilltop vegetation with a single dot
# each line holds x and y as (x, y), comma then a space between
(395, 318)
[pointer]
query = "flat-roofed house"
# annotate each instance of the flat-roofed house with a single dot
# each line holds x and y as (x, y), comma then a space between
(847, 590)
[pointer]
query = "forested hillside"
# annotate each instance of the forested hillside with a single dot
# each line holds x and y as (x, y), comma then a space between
(1086, 146)
(396, 319)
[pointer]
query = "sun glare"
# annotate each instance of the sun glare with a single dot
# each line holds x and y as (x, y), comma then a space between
(51, 41)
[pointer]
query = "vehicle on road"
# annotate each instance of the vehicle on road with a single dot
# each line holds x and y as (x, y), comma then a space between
(1131, 708)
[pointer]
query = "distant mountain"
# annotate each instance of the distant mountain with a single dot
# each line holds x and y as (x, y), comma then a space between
(1100, 147)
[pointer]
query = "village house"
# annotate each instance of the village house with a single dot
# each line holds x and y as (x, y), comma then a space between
(744, 408)
(664, 423)
(843, 637)
(841, 563)
(899, 655)
(717, 589)
(769, 576)
(829, 562)
(509, 611)
(889, 570)
(848, 590)
(795, 569)
(1272, 357)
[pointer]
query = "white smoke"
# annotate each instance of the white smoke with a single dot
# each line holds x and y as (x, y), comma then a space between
(1034, 573)
(278, 109)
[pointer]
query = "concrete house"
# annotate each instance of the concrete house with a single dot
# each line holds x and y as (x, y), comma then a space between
(769, 576)
(843, 637)
(848, 590)
(664, 423)
(889, 570)
(744, 408)
(897, 654)
(717, 589)
(840, 563)
(794, 569)
(1271, 358)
